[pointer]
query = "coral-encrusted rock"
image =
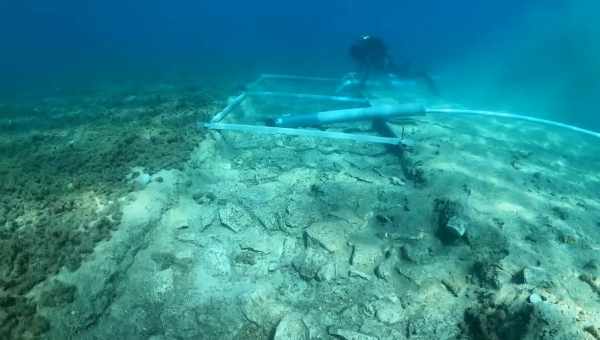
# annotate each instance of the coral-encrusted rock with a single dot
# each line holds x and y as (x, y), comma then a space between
(366, 256)
(234, 217)
(309, 263)
(291, 327)
(388, 313)
(261, 307)
(456, 226)
(332, 236)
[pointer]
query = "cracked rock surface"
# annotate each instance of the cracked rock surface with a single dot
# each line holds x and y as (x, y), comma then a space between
(251, 240)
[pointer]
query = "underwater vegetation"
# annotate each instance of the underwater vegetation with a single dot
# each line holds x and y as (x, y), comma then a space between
(60, 188)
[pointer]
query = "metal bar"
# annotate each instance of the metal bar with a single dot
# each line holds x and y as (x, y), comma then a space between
(511, 115)
(294, 77)
(308, 96)
(235, 102)
(306, 133)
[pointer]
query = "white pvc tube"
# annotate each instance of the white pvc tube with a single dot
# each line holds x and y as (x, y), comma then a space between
(295, 77)
(307, 133)
(513, 116)
(307, 96)
(345, 115)
(232, 105)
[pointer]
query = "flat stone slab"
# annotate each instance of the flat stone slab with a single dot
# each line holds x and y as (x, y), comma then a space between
(365, 257)
(291, 327)
(234, 217)
(258, 240)
(387, 312)
(260, 306)
(332, 236)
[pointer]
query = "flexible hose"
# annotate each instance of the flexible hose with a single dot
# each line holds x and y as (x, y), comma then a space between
(511, 115)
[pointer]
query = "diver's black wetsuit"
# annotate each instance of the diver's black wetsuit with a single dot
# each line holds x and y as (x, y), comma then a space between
(371, 56)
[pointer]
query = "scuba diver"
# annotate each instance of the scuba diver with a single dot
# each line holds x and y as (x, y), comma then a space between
(373, 59)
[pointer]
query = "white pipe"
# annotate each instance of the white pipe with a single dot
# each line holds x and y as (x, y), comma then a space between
(307, 133)
(235, 102)
(294, 77)
(307, 96)
(511, 115)
(346, 115)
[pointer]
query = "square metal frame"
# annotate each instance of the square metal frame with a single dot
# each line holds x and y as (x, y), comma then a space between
(216, 122)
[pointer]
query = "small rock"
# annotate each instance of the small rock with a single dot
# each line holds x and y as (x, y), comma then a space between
(397, 181)
(234, 217)
(388, 313)
(215, 259)
(365, 257)
(257, 240)
(358, 273)
(535, 298)
(141, 181)
(330, 236)
(385, 270)
(534, 276)
(203, 198)
(291, 327)
(327, 273)
(354, 314)
(451, 224)
(261, 308)
(201, 219)
(456, 226)
(298, 213)
(290, 247)
(349, 334)
(419, 253)
(309, 263)
(267, 219)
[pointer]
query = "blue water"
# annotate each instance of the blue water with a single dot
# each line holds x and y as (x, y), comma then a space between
(533, 56)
